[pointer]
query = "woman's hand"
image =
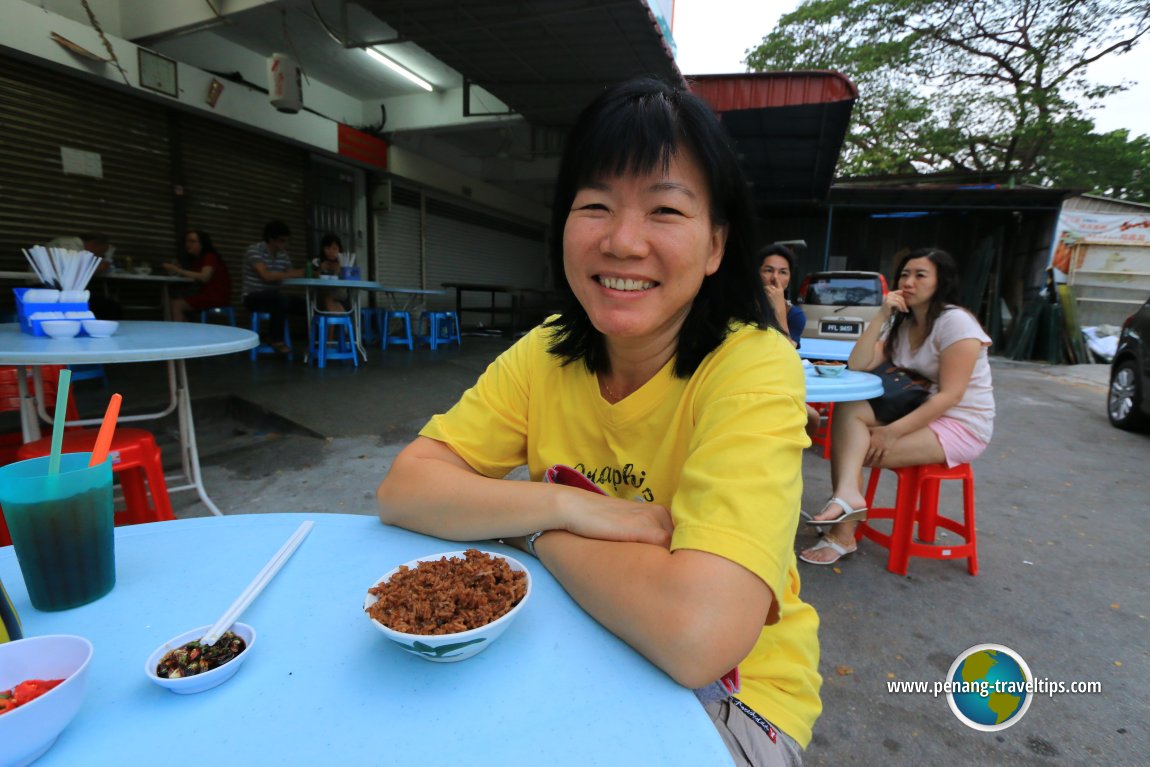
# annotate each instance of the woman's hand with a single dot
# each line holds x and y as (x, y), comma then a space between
(778, 298)
(171, 268)
(893, 303)
(882, 439)
(613, 519)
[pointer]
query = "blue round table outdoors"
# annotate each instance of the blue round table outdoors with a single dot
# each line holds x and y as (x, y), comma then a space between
(847, 386)
(825, 349)
(324, 686)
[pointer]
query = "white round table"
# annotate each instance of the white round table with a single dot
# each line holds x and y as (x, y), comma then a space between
(171, 342)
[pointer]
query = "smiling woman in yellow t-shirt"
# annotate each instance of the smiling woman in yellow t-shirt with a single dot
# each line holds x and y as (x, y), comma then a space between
(666, 383)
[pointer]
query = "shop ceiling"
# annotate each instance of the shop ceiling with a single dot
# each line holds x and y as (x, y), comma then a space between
(541, 61)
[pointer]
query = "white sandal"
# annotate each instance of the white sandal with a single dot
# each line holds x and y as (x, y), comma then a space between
(849, 514)
(827, 543)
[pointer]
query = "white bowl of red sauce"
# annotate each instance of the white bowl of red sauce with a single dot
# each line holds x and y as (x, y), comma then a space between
(42, 681)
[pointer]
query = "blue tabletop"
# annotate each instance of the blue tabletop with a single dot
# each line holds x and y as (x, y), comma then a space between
(315, 282)
(133, 342)
(323, 686)
(318, 282)
(847, 386)
(825, 349)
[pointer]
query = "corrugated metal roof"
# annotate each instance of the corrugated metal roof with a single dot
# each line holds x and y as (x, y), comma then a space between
(788, 127)
(772, 89)
(1093, 203)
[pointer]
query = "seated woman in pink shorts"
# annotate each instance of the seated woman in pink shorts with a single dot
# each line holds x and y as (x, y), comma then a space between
(919, 328)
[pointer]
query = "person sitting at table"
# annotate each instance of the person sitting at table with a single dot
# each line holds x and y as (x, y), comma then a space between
(919, 327)
(332, 301)
(103, 306)
(667, 382)
(205, 266)
(266, 265)
(776, 269)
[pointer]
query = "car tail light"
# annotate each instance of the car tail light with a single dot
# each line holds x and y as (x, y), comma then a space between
(882, 280)
(802, 297)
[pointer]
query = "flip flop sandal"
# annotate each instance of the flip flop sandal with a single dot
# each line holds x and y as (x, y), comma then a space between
(849, 514)
(827, 543)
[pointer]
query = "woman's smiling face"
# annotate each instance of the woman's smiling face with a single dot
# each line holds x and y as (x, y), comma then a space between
(637, 247)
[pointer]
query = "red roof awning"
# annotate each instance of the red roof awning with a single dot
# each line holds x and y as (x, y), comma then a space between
(788, 127)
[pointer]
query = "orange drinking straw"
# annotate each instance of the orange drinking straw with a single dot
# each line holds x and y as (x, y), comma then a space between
(107, 429)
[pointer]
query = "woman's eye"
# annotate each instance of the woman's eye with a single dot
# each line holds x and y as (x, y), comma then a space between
(665, 210)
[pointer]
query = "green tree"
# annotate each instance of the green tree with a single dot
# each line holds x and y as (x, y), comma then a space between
(973, 85)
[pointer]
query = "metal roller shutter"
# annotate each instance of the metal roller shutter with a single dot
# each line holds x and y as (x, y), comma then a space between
(44, 111)
(236, 181)
(467, 245)
(397, 241)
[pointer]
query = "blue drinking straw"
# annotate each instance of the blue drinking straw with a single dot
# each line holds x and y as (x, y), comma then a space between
(58, 419)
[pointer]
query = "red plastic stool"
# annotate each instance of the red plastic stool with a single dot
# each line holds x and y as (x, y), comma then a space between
(135, 457)
(822, 437)
(917, 502)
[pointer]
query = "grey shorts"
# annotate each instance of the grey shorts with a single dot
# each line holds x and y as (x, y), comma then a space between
(751, 739)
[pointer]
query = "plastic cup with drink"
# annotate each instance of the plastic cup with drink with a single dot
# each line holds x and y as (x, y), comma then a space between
(61, 527)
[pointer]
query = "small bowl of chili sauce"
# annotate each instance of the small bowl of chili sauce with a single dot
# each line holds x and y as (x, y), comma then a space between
(184, 666)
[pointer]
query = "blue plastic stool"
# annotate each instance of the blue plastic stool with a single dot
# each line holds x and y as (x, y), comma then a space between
(88, 373)
(257, 317)
(368, 320)
(442, 328)
(345, 339)
(219, 311)
(386, 338)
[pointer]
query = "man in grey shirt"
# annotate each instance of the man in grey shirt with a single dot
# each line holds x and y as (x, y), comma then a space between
(266, 265)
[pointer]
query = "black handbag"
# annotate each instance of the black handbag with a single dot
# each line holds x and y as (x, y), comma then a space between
(902, 391)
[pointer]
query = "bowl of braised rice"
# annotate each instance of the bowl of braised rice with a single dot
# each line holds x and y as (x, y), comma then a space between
(449, 607)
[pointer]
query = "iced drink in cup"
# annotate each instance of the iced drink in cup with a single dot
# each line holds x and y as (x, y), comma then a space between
(61, 528)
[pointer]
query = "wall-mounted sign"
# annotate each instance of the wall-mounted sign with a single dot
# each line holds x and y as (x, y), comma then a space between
(158, 73)
(80, 162)
(215, 88)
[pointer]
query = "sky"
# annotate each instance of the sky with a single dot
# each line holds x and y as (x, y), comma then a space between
(713, 36)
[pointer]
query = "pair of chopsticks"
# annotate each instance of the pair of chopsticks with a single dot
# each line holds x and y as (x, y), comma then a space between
(256, 586)
(103, 437)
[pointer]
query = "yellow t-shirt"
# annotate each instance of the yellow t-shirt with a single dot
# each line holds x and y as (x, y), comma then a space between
(722, 450)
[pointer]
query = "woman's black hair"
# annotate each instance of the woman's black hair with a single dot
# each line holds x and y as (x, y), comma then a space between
(636, 128)
(945, 293)
(778, 249)
(330, 239)
(206, 244)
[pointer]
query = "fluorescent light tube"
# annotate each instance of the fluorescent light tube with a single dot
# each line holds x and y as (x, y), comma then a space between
(398, 69)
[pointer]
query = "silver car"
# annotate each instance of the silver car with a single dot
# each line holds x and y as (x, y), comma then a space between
(839, 305)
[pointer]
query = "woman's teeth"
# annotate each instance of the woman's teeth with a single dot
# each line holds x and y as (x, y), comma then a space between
(616, 283)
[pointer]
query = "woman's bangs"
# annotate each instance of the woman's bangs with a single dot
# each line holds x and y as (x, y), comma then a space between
(637, 139)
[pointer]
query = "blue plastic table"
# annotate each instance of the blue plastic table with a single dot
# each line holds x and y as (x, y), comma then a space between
(847, 386)
(170, 342)
(323, 686)
(825, 349)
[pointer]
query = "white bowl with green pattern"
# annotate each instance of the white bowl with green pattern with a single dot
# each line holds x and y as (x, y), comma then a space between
(449, 648)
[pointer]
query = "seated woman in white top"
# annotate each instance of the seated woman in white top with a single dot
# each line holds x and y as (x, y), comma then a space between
(918, 328)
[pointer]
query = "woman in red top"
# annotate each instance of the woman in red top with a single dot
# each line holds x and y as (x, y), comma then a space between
(208, 269)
